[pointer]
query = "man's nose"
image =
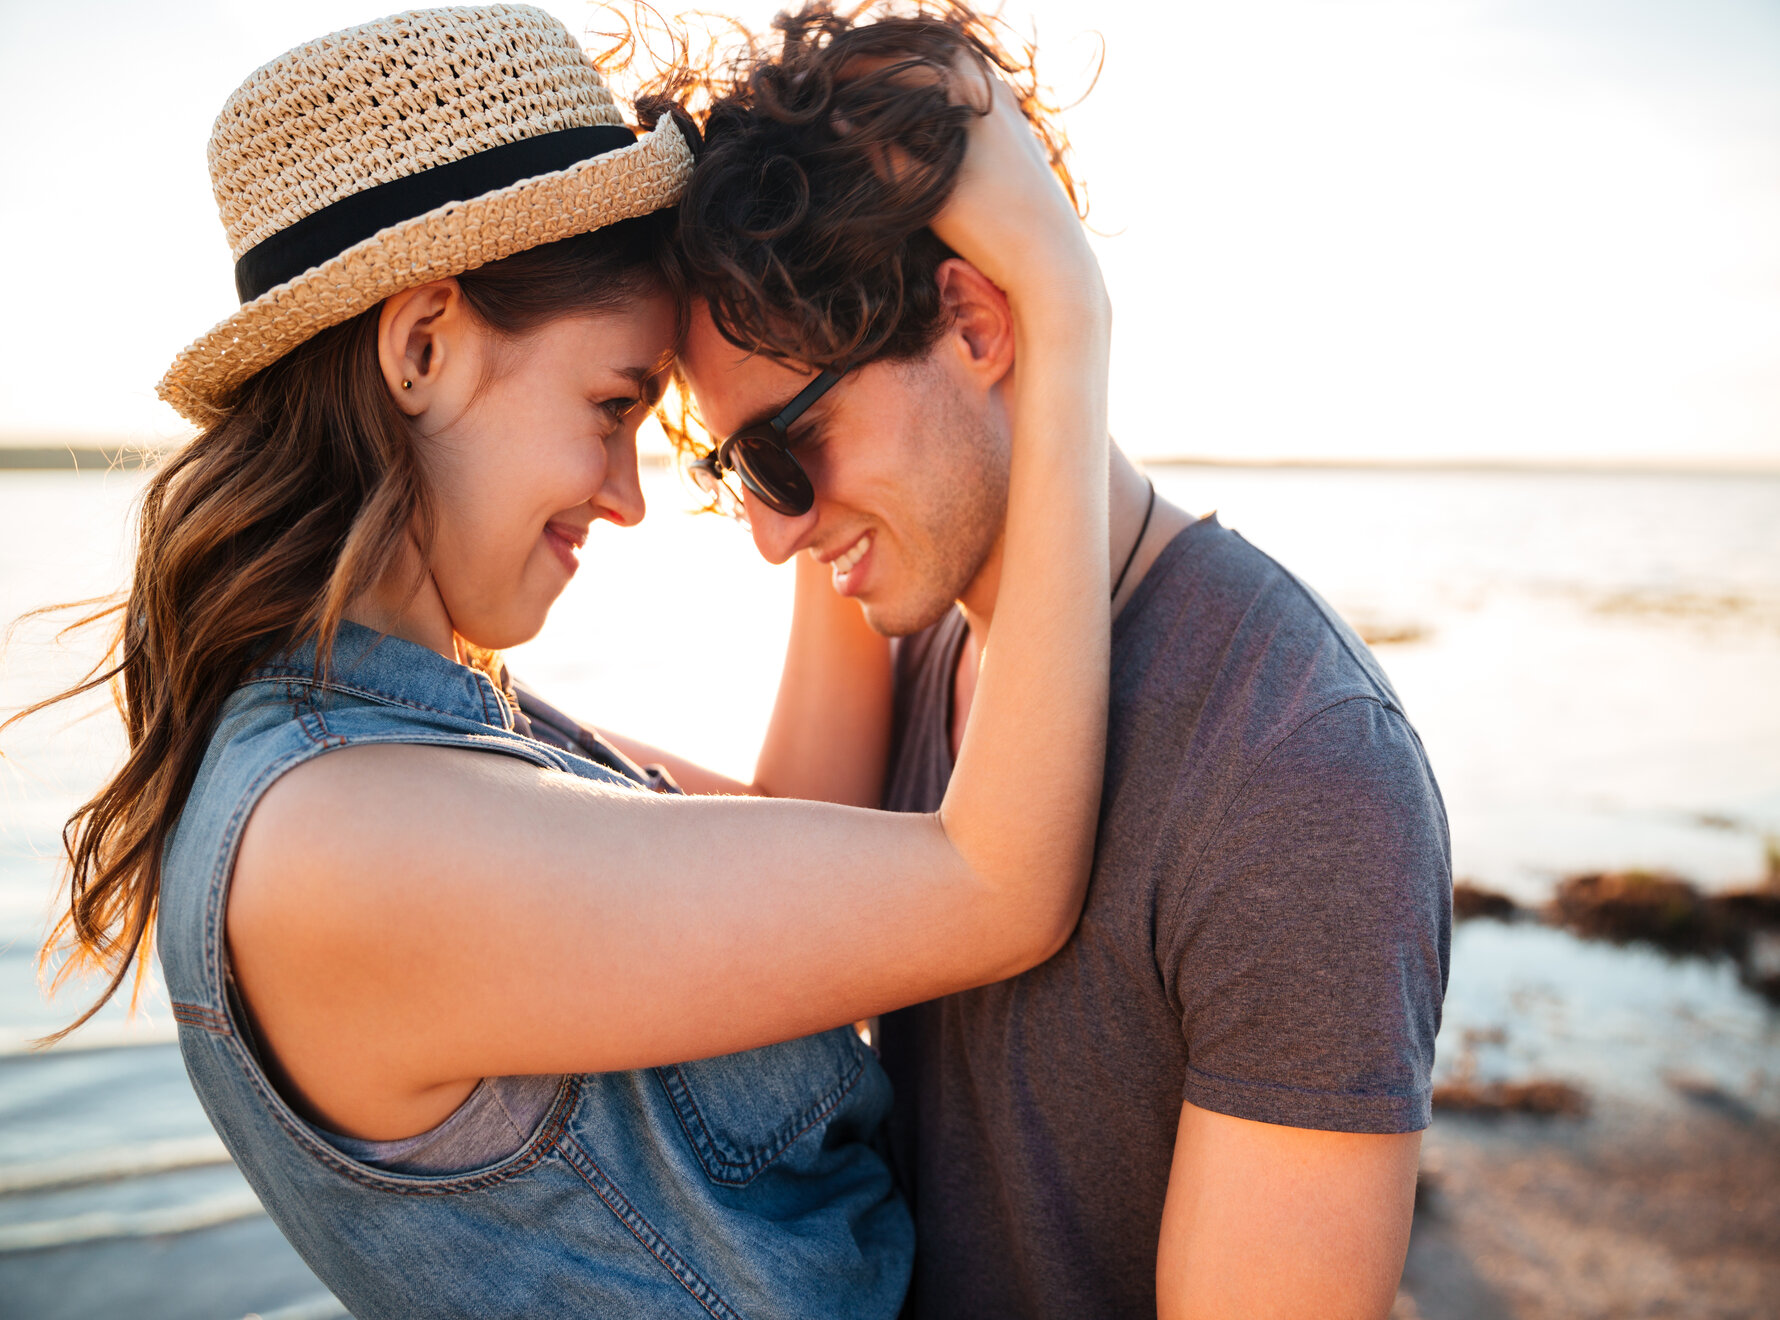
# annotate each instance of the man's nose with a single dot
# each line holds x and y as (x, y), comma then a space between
(777, 536)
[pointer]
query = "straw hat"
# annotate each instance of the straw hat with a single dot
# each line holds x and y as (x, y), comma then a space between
(406, 150)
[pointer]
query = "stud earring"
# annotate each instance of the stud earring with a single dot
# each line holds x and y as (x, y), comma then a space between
(407, 384)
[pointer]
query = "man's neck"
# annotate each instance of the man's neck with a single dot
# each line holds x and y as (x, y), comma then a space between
(1128, 497)
(1128, 501)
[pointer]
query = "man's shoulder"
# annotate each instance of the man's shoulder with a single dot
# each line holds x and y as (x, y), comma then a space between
(1224, 626)
(1231, 672)
(1285, 843)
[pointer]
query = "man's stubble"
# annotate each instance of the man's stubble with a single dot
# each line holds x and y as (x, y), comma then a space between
(954, 502)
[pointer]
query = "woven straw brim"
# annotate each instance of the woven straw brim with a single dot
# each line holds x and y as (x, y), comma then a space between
(450, 240)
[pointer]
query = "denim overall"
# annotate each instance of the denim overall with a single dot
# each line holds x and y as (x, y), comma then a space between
(743, 1186)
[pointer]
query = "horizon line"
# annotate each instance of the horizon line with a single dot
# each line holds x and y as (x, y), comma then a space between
(51, 456)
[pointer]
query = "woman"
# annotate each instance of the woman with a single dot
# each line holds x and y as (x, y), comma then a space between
(437, 980)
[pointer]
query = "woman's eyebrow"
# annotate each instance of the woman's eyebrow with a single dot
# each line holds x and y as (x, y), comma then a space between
(650, 382)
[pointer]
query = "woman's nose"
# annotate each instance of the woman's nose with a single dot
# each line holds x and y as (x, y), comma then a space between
(621, 494)
(776, 535)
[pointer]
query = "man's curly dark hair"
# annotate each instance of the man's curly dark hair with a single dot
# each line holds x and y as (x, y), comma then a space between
(805, 225)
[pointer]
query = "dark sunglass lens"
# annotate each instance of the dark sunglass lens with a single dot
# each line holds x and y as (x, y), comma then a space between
(773, 474)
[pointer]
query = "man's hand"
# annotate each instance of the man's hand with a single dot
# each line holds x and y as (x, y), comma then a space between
(1264, 1221)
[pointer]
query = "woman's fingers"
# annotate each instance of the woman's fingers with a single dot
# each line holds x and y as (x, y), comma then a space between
(1008, 215)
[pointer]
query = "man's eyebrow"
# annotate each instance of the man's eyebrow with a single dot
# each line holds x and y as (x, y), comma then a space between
(808, 429)
(763, 419)
(810, 422)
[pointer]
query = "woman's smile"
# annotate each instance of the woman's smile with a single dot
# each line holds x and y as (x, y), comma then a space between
(564, 540)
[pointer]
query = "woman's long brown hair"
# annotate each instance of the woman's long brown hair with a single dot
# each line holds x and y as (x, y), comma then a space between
(304, 492)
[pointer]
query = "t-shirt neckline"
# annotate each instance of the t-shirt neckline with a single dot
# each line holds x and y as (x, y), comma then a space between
(1144, 590)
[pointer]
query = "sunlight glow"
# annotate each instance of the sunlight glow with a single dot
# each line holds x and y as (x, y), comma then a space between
(1378, 229)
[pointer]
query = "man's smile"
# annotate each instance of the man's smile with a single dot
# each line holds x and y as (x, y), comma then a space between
(844, 564)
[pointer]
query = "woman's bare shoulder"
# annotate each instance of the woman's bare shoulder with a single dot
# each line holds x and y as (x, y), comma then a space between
(348, 832)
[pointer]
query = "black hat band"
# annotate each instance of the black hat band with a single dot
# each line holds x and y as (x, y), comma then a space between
(325, 234)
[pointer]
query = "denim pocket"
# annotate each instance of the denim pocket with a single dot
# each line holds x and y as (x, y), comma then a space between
(742, 1111)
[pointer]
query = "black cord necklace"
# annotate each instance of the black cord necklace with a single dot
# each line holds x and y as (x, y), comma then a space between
(1148, 509)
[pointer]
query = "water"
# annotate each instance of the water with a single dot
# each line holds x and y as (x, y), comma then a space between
(1591, 660)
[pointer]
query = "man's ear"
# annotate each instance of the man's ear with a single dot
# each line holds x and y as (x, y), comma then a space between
(982, 324)
(419, 334)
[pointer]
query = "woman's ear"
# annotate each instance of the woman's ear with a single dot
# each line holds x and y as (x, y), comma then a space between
(982, 324)
(419, 337)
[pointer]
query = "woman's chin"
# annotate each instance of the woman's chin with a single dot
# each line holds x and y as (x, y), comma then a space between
(505, 632)
(499, 617)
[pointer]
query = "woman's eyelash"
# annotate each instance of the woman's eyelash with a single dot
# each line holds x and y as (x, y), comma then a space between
(618, 409)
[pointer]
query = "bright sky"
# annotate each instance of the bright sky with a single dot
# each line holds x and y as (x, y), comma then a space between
(1494, 229)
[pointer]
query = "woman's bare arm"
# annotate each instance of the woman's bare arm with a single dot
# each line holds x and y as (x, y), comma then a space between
(466, 914)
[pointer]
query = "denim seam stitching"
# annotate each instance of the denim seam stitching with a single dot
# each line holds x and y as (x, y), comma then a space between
(756, 1164)
(249, 1068)
(301, 693)
(627, 1214)
(206, 1019)
(291, 677)
(315, 728)
(542, 1144)
(483, 690)
(225, 862)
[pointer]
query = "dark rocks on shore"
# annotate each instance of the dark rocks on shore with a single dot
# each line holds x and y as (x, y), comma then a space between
(1624, 906)
(1464, 1093)
(1668, 912)
(1539, 1096)
(1471, 900)
(1708, 1094)
(1650, 907)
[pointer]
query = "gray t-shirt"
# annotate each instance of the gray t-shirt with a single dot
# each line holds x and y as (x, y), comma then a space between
(1266, 935)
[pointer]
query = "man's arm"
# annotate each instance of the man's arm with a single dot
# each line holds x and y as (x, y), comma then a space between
(1309, 951)
(829, 738)
(1265, 1221)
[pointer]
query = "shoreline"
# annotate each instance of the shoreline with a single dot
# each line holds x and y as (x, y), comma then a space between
(79, 458)
(83, 455)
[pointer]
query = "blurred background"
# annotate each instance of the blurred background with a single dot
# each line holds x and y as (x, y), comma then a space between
(1468, 312)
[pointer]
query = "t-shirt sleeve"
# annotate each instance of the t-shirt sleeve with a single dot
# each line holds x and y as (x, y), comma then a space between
(1308, 941)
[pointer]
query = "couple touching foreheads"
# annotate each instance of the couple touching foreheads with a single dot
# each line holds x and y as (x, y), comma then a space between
(1117, 829)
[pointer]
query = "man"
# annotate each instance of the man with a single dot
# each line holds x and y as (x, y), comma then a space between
(1209, 1103)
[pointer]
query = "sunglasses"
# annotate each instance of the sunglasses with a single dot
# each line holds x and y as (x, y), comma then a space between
(760, 456)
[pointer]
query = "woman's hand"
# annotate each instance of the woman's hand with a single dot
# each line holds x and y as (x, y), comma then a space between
(1008, 215)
